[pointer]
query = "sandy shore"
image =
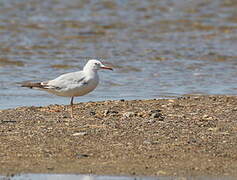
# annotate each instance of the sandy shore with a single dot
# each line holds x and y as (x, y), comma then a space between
(194, 135)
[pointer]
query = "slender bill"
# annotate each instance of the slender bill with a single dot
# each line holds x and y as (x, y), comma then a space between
(106, 67)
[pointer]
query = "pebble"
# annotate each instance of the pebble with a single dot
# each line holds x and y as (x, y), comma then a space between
(92, 113)
(50, 168)
(128, 114)
(82, 155)
(155, 115)
(207, 117)
(161, 173)
(141, 114)
(147, 142)
(155, 111)
(215, 129)
(106, 112)
(151, 121)
(80, 134)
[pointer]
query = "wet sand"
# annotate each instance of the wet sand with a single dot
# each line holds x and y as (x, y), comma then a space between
(193, 135)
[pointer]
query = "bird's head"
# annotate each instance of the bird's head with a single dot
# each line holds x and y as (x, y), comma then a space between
(95, 65)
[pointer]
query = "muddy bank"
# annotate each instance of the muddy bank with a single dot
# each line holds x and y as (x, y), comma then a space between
(194, 135)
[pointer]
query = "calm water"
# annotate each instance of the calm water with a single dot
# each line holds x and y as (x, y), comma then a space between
(158, 48)
(94, 177)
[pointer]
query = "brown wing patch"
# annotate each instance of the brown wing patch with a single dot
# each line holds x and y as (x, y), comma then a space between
(32, 85)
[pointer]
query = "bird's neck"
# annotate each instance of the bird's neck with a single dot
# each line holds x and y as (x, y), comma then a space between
(91, 72)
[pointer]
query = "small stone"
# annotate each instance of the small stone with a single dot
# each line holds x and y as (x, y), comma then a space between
(151, 121)
(50, 168)
(155, 111)
(161, 173)
(128, 114)
(80, 134)
(224, 133)
(206, 117)
(215, 129)
(106, 112)
(155, 115)
(147, 142)
(141, 114)
(92, 113)
(82, 155)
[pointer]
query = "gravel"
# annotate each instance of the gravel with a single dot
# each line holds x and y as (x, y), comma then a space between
(193, 135)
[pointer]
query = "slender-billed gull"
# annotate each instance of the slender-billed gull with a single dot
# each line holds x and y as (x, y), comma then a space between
(72, 84)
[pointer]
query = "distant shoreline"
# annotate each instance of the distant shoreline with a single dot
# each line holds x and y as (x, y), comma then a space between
(190, 136)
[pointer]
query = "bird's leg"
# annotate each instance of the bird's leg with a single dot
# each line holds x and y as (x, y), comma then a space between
(71, 103)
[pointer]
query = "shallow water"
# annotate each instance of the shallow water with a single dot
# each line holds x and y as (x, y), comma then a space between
(96, 177)
(158, 48)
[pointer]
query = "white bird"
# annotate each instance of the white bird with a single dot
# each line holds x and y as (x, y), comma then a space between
(72, 84)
